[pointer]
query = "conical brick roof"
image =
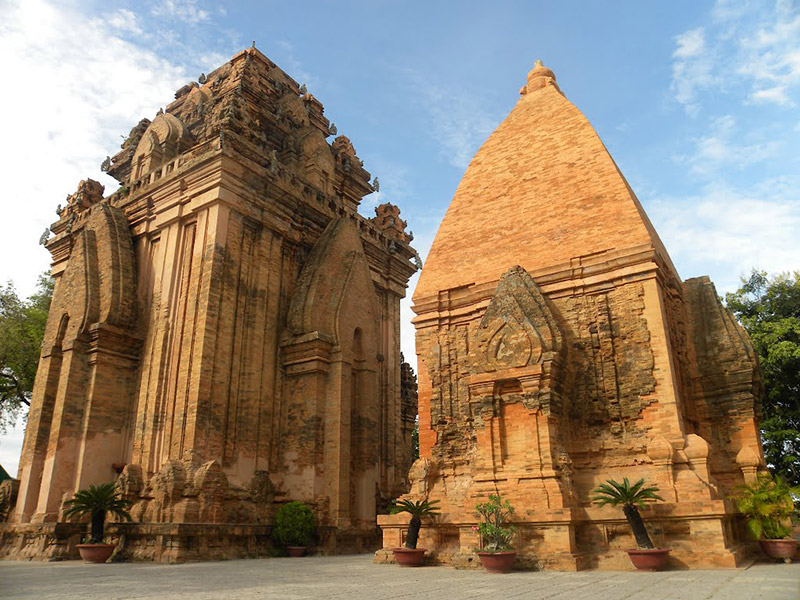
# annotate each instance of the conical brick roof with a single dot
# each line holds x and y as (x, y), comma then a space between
(542, 191)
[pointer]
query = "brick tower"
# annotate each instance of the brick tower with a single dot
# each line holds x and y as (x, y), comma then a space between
(224, 332)
(558, 348)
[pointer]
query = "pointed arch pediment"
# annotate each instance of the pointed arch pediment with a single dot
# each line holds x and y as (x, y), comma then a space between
(518, 328)
(76, 297)
(163, 140)
(335, 276)
(99, 283)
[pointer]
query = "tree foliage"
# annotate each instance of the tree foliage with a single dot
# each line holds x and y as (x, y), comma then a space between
(22, 324)
(294, 525)
(769, 309)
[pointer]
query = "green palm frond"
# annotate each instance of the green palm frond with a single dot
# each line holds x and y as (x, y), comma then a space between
(768, 505)
(103, 497)
(416, 508)
(615, 493)
(754, 528)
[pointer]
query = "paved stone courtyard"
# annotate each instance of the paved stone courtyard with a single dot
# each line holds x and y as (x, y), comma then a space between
(356, 577)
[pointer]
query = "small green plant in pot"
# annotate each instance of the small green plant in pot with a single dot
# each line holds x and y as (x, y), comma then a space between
(633, 497)
(96, 501)
(497, 554)
(294, 527)
(768, 507)
(411, 556)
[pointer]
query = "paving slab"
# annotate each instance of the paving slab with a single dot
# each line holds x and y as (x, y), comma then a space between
(356, 577)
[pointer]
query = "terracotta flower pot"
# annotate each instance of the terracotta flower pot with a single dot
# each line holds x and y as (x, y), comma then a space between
(784, 549)
(649, 560)
(95, 553)
(297, 551)
(497, 562)
(409, 557)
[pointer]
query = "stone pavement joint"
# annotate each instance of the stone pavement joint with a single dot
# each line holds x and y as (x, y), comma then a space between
(355, 577)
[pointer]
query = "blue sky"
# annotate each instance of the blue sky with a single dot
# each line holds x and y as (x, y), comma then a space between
(697, 102)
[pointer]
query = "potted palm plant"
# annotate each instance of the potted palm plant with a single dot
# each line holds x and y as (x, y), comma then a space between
(768, 508)
(294, 527)
(496, 553)
(411, 556)
(633, 497)
(96, 501)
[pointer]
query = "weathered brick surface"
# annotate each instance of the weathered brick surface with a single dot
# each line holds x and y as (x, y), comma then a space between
(544, 174)
(224, 330)
(558, 348)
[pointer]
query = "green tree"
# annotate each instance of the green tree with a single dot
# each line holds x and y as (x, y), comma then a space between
(769, 309)
(22, 324)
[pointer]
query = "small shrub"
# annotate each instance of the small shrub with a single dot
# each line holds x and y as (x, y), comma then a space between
(294, 525)
(494, 531)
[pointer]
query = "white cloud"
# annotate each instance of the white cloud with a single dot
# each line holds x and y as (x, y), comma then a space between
(78, 86)
(729, 10)
(754, 47)
(723, 148)
(772, 58)
(460, 120)
(690, 44)
(125, 21)
(83, 86)
(460, 125)
(692, 70)
(728, 231)
(775, 95)
(11, 447)
(744, 54)
(186, 11)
